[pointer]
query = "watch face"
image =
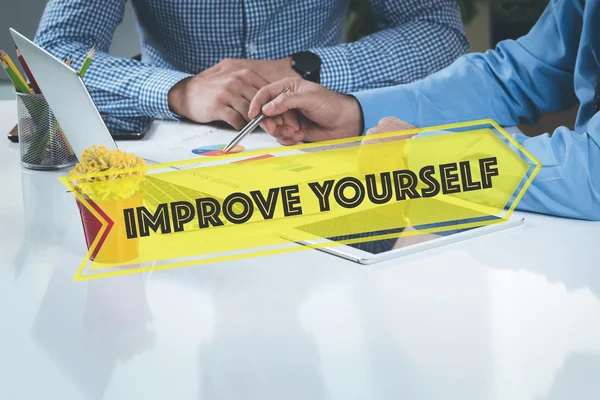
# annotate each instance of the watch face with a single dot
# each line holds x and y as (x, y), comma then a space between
(307, 64)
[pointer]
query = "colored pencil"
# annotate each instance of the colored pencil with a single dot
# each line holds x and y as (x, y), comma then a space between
(18, 84)
(15, 72)
(87, 62)
(4, 65)
(27, 71)
(69, 61)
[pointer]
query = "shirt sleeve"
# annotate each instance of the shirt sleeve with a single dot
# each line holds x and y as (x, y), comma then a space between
(120, 87)
(418, 37)
(517, 82)
(568, 184)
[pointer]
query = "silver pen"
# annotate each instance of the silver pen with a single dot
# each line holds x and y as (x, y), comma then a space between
(252, 125)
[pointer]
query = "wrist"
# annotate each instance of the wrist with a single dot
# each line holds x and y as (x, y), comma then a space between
(354, 117)
(286, 65)
(176, 97)
(153, 94)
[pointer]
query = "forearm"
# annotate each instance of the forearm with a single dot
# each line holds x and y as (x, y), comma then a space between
(568, 183)
(120, 87)
(504, 85)
(461, 92)
(517, 82)
(413, 46)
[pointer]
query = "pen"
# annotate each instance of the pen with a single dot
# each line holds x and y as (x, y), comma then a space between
(252, 125)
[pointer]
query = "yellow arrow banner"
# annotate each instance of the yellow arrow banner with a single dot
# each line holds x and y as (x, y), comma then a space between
(262, 202)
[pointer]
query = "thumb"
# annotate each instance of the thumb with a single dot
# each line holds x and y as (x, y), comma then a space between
(289, 101)
(270, 92)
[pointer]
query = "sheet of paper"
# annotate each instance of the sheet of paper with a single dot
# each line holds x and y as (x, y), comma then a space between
(176, 141)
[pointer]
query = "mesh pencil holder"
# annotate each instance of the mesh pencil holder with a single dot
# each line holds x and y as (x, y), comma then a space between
(42, 142)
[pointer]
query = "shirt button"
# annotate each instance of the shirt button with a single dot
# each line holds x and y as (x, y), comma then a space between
(251, 48)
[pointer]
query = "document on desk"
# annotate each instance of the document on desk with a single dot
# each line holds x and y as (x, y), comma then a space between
(169, 142)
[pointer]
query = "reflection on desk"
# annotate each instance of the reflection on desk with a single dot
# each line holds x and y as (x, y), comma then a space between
(513, 315)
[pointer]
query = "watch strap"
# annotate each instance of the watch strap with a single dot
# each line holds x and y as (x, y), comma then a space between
(307, 65)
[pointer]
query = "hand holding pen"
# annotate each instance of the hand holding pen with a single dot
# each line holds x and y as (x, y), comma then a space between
(252, 125)
(307, 113)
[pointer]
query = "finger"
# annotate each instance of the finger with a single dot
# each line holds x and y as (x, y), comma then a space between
(388, 126)
(394, 124)
(287, 141)
(214, 70)
(247, 90)
(269, 125)
(372, 131)
(396, 129)
(281, 133)
(289, 101)
(284, 131)
(269, 92)
(382, 127)
(239, 104)
(290, 118)
(296, 138)
(244, 84)
(231, 116)
(299, 136)
(225, 66)
(389, 120)
(253, 82)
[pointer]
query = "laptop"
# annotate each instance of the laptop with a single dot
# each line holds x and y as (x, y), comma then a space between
(75, 111)
(68, 97)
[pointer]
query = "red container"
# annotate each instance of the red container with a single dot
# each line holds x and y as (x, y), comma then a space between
(117, 247)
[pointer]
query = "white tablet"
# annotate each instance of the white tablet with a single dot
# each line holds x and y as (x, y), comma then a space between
(395, 242)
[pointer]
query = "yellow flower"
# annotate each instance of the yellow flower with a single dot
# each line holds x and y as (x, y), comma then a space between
(113, 184)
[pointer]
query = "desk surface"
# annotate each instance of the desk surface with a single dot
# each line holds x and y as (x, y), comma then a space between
(512, 315)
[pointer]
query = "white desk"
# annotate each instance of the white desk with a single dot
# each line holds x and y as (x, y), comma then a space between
(510, 316)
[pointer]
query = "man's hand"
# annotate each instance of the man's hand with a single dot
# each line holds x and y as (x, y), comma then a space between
(390, 124)
(309, 112)
(271, 70)
(216, 97)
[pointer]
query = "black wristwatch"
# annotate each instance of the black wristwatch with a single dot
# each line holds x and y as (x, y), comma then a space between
(308, 65)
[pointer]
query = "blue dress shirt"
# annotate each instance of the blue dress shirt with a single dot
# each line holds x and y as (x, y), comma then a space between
(181, 38)
(552, 68)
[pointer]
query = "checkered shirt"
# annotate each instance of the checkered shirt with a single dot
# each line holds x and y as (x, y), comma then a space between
(181, 38)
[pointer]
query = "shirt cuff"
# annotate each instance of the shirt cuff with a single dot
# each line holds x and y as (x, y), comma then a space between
(386, 102)
(154, 100)
(335, 70)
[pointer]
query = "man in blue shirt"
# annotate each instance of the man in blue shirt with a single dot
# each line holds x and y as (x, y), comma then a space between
(205, 60)
(554, 67)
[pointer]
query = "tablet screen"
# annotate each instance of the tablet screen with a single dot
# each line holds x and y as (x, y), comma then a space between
(360, 222)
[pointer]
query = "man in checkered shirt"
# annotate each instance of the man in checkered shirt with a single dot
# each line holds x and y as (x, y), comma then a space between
(205, 60)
